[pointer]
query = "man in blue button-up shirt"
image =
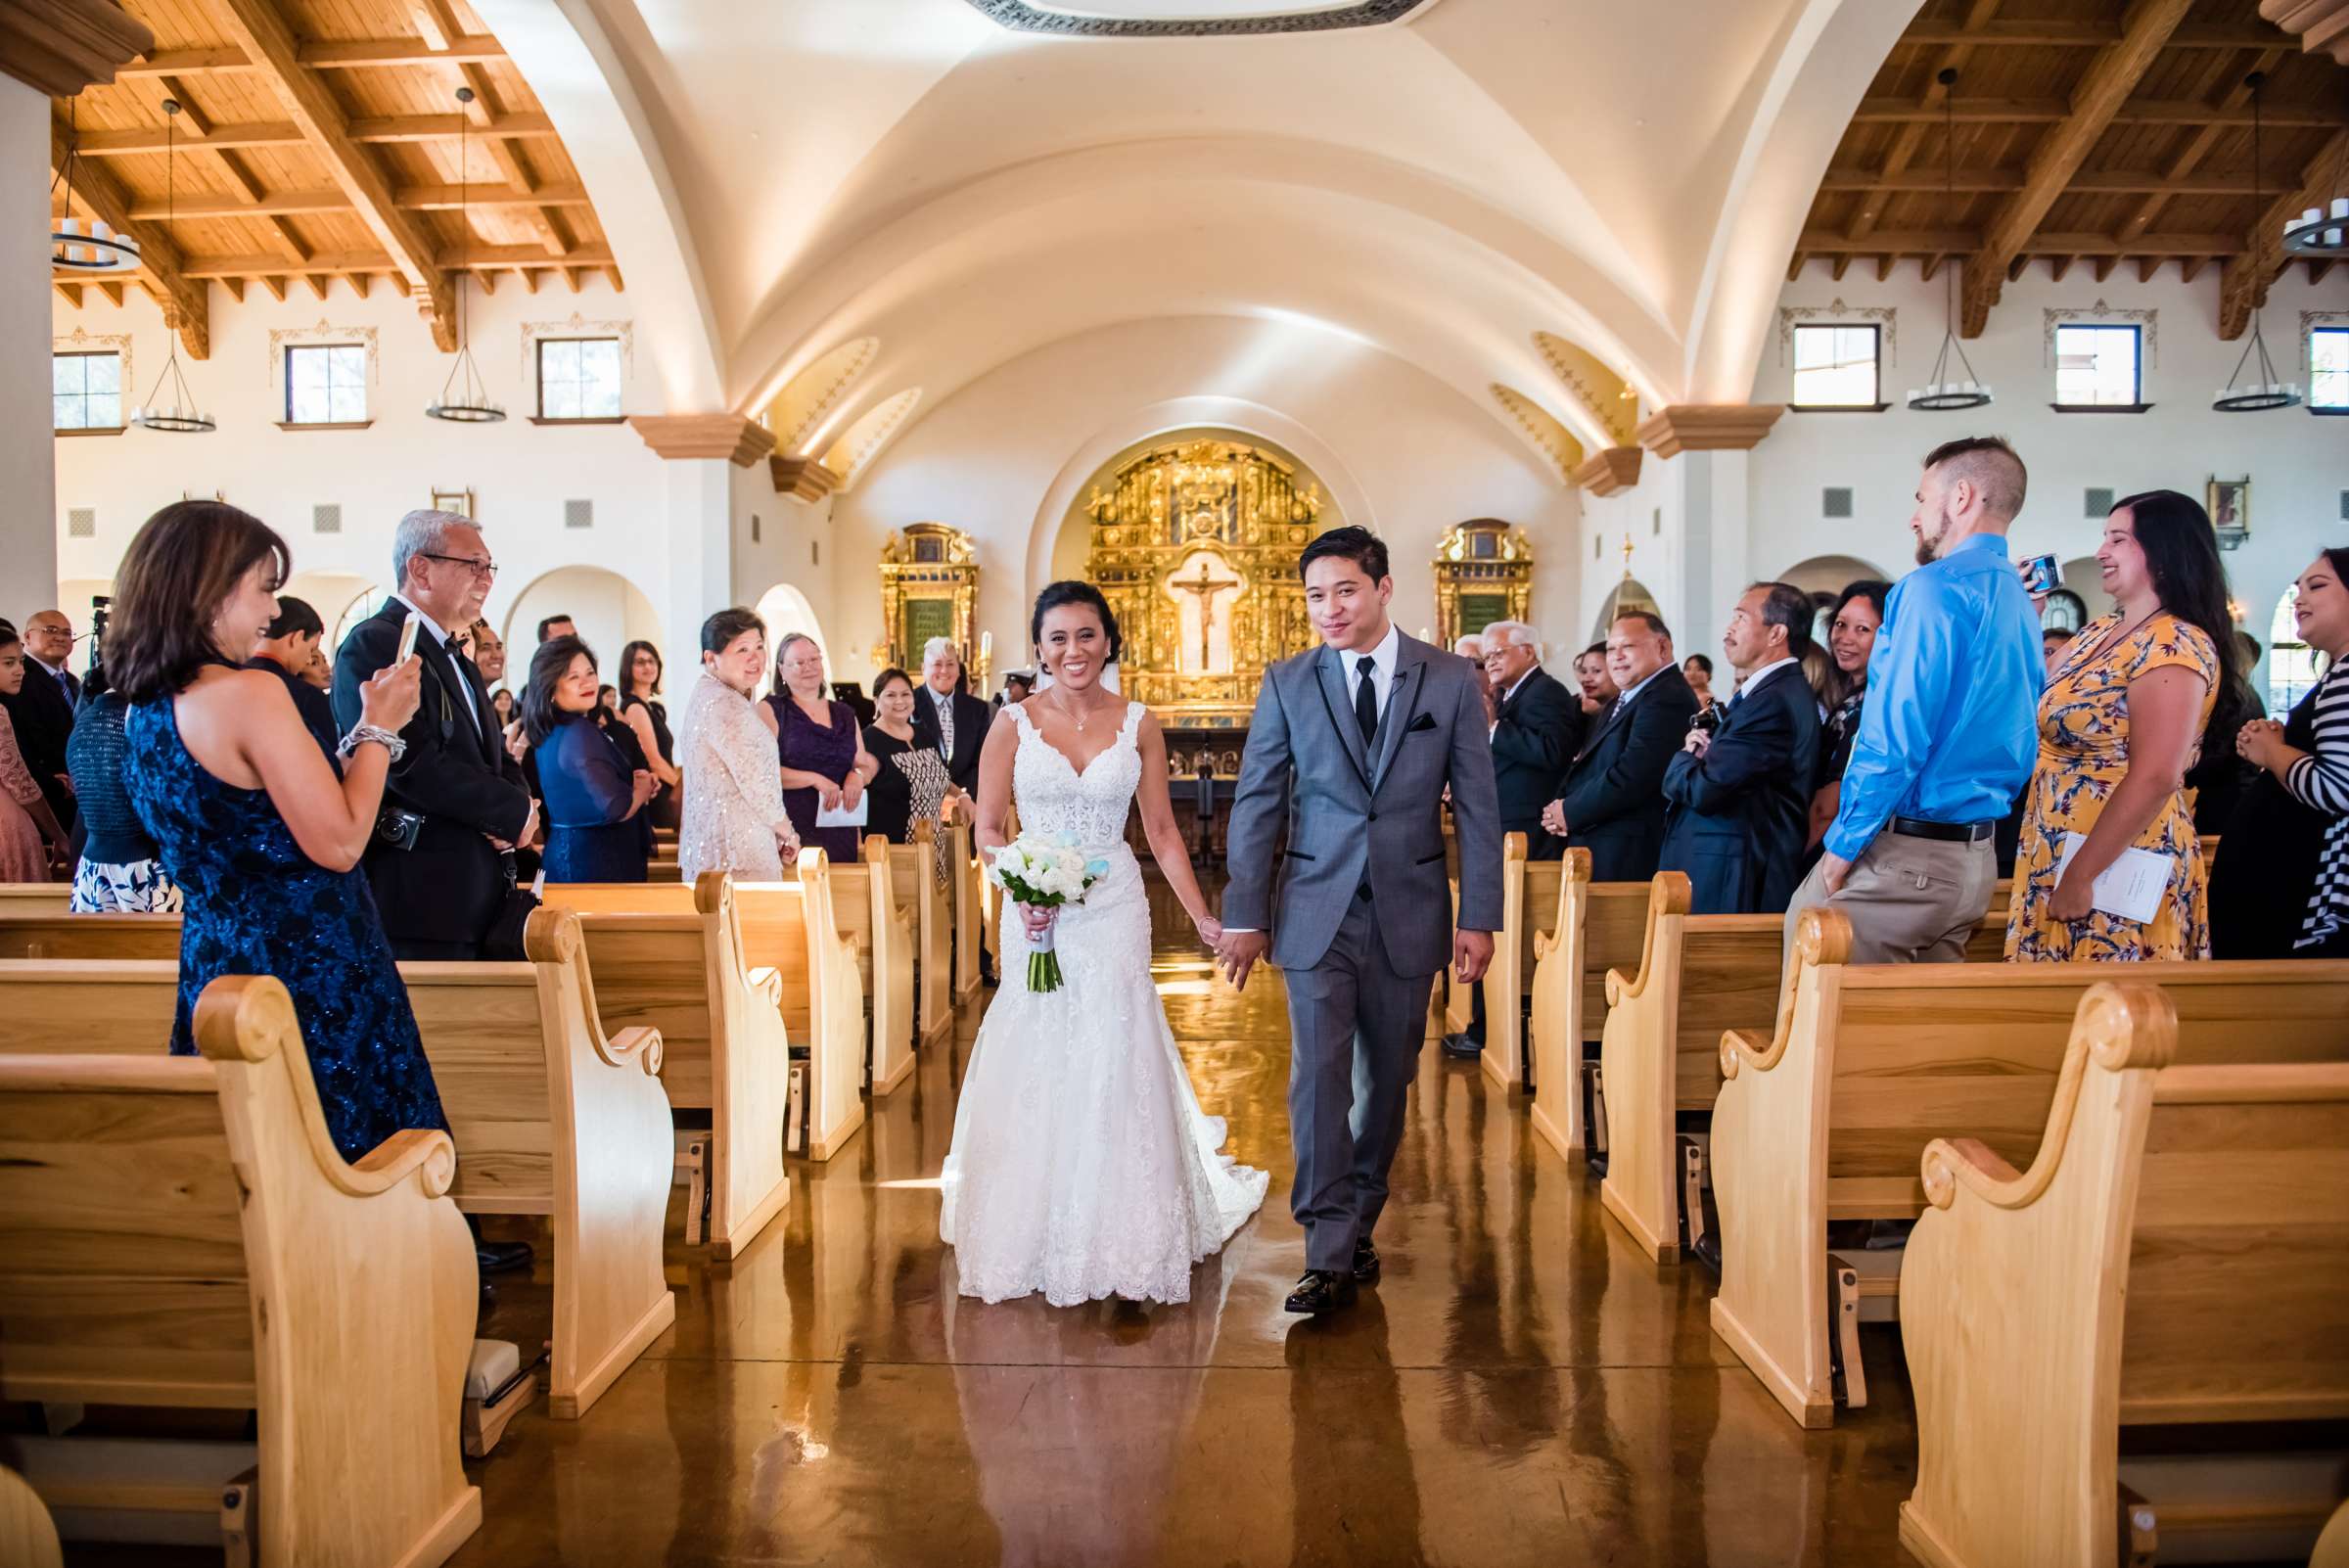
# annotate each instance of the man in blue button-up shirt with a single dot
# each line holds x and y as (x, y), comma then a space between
(1947, 733)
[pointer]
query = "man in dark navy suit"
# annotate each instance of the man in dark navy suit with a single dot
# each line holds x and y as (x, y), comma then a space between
(1611, 800)
(438, 893)
(1740, 797)
(43, 710)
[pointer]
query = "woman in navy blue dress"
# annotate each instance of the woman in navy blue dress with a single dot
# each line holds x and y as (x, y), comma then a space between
(593, 793)
(250, 820)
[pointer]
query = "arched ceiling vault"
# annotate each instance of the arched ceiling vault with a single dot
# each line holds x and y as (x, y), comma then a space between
(1443, 187)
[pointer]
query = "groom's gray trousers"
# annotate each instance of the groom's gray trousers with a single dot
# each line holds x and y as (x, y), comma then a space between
(1354, 1031)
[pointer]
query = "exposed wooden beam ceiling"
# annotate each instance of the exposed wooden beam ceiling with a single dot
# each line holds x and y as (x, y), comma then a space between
(445, 259)
(1878, 111)
(257, 27)
(286, 134)
(2243, 279)
(408, 198)
(2104, 182)
(160, 264)
(321, 55)
(2176, 179)
(2084, 34)
(2110, 79)
(1911, 135)
(1917, 242)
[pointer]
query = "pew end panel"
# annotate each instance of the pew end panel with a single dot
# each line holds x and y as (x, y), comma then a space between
(913, 873)
(1769, 1179)
(889, 928)
(972, 902)
(238, 1262)
(1504, 981)
(614, 1151)
(1557, 1023)
(791, 927)
(2171, 1255)
(1636, 1062)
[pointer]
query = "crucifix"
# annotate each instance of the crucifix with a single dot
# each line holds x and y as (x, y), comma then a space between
(1206, 586)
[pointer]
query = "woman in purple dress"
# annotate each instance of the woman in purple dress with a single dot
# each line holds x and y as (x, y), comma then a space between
(825, 766)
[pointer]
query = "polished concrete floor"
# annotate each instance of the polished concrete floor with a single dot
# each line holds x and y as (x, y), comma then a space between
(1525, 1386)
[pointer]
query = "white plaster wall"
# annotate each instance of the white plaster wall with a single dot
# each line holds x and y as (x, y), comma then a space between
(521, 474)
(1416, 457)
(2299, 463)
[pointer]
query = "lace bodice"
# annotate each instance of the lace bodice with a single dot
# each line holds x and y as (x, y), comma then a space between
(1053, 797)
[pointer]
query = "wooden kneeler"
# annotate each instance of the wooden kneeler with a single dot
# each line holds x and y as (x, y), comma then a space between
(180, 1231)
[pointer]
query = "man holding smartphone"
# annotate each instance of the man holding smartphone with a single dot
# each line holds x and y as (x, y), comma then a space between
(1949, 732)
(440, 861)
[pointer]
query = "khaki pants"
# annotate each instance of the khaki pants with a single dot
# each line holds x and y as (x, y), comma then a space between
(1910, 901)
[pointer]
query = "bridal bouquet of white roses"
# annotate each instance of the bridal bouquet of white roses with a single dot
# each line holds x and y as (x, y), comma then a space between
(1044, 873)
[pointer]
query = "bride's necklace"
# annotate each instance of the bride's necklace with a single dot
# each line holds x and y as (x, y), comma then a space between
(1077, 716)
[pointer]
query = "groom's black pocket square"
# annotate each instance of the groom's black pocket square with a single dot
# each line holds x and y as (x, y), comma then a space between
(1423, 722)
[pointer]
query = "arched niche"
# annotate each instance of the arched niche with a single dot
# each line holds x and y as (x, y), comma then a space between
(1627, 597)
(786, 609)
(342, 599)
(610, 611)
(1830, 574)
(2084, 578)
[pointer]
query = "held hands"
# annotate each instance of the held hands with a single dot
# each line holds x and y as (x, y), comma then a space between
(1210, 929)
(388, 699)
(1699, 740)
(1553, 819)
(787, 843)
(828, 796)
(852, 790)
(1239, 951)
(644, 786)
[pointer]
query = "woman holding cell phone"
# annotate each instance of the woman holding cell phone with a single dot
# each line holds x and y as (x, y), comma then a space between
(2109, 867)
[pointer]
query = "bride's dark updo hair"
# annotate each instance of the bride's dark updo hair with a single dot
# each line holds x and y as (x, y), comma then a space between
(1067, 592)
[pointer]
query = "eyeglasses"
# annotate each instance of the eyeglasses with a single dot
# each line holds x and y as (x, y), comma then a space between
(484, 570)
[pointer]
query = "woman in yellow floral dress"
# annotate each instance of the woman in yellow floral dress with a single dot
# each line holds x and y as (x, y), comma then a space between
(2118, 725)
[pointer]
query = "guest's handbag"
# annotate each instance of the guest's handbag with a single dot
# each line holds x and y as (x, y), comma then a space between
(503, 940)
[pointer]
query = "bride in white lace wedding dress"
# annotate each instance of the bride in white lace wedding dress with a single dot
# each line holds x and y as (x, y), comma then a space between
(1081, 1164)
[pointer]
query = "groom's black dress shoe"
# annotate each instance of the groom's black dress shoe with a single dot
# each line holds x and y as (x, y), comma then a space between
(497, 1257)
(1464, 1047)
(1321, 1290)
(1365, 1262)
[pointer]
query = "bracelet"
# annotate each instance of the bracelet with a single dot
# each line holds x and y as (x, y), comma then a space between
(363, 734)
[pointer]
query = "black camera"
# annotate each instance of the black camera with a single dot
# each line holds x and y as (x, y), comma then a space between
(1706, 719)
(399, 828)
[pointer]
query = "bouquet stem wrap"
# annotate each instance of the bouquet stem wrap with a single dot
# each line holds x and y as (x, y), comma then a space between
(1046, 874)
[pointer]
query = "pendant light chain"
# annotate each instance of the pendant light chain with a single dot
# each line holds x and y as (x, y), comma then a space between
(2269, 391)
(182, 417)
(1941, 393)
(464, 398)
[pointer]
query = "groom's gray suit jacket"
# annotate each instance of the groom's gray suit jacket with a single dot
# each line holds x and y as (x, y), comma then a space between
(1358, 815)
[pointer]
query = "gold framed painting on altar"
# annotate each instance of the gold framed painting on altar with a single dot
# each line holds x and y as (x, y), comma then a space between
(1483, 573)
(1194, 543)
(930, 589)
(457, 501)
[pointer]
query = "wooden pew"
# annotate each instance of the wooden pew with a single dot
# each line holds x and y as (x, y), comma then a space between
(28, 1535)
(35, 897)
(1825, 1116)
(550, 1116)
(1598, 926)
(674, 958)
(912, 873)
(973, 897)
(879, 928)
(786, 929)
(1529, 895)
(1698, 975)
(180, 1233)
(2175, 1253)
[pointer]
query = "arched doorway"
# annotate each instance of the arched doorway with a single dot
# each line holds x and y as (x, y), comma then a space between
(1627, 595)
(1830, 574)
(609, 610)
(786, 609)
(342, 599)
(2083, 586)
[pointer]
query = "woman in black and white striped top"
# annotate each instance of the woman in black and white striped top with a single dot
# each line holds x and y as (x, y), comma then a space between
(2281, 887)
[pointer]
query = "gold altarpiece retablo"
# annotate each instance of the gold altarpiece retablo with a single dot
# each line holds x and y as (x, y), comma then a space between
(1195, 546)
(930, 589)
(1483, 573)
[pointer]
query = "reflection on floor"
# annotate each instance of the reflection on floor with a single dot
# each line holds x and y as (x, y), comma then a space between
(1523, 1387)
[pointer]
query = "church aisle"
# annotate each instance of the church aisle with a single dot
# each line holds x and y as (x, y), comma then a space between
(1523, 1387)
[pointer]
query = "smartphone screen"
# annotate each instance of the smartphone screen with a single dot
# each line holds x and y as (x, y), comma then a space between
(407, 636)
(2040, 575)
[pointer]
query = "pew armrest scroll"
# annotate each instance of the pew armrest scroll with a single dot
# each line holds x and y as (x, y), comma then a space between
(1953, 1162)
(768, 984)
(427, 1154)
(1747, 1044)
(640, 1043)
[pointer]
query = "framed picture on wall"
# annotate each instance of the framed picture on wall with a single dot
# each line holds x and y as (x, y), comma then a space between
(2230, 505)
(457, 501)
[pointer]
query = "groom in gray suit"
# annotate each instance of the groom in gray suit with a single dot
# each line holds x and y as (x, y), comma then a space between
(1350, 750)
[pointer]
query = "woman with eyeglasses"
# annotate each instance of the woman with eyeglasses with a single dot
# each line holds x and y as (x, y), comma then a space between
(821, 749)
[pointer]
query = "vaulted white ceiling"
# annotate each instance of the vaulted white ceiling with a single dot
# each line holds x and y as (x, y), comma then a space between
(783, 178)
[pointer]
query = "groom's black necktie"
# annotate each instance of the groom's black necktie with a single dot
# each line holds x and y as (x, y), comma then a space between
(1365, 698)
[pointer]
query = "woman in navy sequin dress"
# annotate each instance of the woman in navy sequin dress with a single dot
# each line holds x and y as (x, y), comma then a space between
(596, 798)
(251, 821)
